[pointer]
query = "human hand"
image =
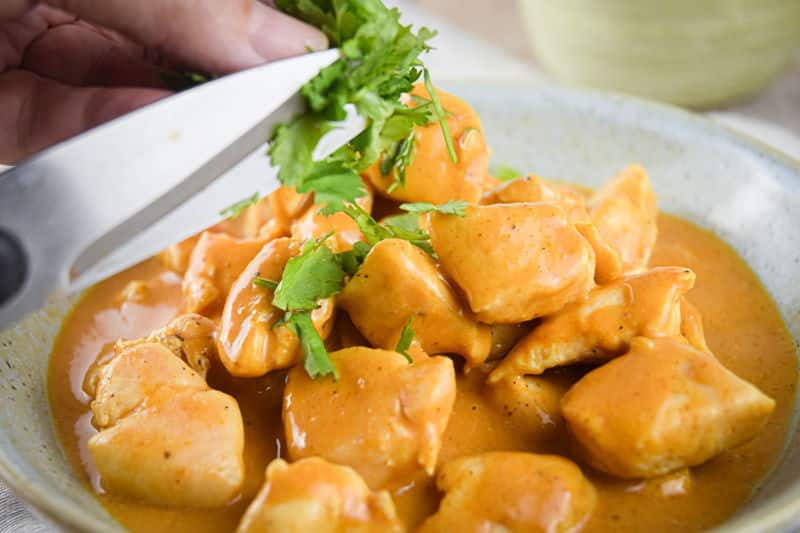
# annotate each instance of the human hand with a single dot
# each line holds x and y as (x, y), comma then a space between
(69, 65)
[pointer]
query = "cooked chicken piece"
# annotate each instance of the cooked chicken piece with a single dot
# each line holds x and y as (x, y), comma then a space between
(286, 206)
(249, 344)
(165, 437)
(176, 257)
(215, 263)
(608, 264)
(533, 189)
(514, 262)
(189, 337)
(432, 176)
(692, 325)
(315, 496)
(501, 492)
(505, 336)
(384, 417)
(531, 402)
(313, 225)
(398, 280)
(601, 326)
(663, 406)
(626, 215)
(674, 484)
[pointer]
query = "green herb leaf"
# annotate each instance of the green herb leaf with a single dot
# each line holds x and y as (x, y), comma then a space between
(440, 115)
(311, 276)
(316, 361)
(453, 207)
(352, 260)
(265, 283)
(380, 62)
(404, 342)
(505, 172)
(405, 221)
(236, 209)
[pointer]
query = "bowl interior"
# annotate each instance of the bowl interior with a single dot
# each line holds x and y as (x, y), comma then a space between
(747, 194)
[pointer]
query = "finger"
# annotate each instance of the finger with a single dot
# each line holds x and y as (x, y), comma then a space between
(36, 112)
(18, 34)
(10, 9)
(79, 54)
(204, 34)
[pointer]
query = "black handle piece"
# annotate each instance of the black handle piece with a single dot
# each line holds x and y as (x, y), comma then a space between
(13, 266)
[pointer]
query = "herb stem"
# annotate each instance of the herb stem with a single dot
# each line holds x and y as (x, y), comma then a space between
(439, 112)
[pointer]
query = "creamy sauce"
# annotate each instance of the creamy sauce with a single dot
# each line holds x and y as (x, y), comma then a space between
(743, 328)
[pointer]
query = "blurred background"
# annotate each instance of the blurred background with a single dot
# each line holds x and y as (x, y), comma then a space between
(737, 59)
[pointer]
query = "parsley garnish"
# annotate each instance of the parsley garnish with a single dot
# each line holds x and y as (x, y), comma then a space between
(404, 342)
(380, 62)
(236, 209)
(265, 283)
(505, 172)
(453, 207)
(313, 275)
(441, 117)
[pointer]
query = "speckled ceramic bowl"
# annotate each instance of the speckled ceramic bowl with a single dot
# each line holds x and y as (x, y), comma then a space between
(745, 192)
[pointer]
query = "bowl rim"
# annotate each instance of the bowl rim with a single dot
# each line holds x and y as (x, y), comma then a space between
(60, 511)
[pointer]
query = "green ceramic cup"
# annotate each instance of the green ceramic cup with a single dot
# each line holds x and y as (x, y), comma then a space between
(697, 53)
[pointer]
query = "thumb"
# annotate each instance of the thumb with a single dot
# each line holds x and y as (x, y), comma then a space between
(208, 35)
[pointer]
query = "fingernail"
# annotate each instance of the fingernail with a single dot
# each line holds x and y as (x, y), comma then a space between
(275, 35)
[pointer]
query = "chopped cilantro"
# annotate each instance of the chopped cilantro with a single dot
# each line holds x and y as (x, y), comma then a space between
(351, 260)
(404, 342)
(505, 172)
(309, 277)
(441, 117)
(265, 283)
(316, 360)
(379, 63)
(453, 207)
(236, 209)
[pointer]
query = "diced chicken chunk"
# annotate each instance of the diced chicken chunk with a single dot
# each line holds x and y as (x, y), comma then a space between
(607, 262)
(432, 176)
(165, 437)
(190, 337)
(626, 215)
(286, 206)
(511, 491)
(601, 326)
(663, 406)
(514, 262)
(505, 336)
(532, 403)
(313, 225)
(215, 263)
(398, 280)
(533, 189)
(692, 325)
(176, 257)
(315, 496)
(249, 344)
(384, 417)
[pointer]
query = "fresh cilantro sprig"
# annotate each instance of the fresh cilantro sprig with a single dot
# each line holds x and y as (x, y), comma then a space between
(315, 274)
(380, 62)
(405, 340)
(505, 172)
(238, 208)
(452, 207)
(265, 283)
(441, 117)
